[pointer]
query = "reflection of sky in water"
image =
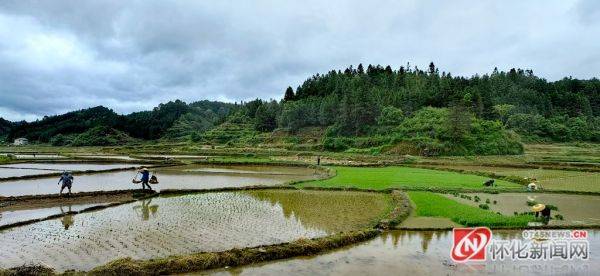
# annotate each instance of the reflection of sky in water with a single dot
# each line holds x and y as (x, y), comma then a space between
(416, 253)
(23, 169)
(9, 217)
(182, 225)
(575, 209)
(170, 178)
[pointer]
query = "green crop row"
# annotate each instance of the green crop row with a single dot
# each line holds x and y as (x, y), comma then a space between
(435, 205)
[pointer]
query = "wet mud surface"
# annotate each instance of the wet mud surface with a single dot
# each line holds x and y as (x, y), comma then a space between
(173, 225)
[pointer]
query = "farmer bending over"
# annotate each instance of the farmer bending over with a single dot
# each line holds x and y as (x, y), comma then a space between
(67, 181)
(543, 210)
(145, 178)
(532, 186)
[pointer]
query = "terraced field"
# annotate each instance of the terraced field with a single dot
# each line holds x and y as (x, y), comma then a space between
(562, 180)
(404, 177)
(25, 169)
(185, 224)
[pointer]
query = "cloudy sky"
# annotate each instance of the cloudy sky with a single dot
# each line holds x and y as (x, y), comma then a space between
(57, 56)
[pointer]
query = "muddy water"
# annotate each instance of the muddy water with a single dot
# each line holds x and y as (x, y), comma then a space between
(9, 217)
(173, 225)
(36, 156)
(169, 178)
(105, 156)
(23, 169)
(576, 209)
(416, 253)
(175, 156)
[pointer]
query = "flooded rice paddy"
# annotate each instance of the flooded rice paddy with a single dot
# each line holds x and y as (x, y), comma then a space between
(14, 216)
(181, 177)
(104, 156)
(26, 169)
(34, 156)
(548, 179)
(166, 226)
(417, 253)
(576, 209)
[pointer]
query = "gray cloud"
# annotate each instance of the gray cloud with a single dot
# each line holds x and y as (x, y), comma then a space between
(57, 56)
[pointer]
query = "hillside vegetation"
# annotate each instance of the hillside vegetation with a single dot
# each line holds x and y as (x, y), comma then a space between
(375, 110)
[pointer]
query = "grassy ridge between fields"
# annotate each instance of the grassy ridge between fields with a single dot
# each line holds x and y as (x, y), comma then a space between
(406, 178)
(435, 205)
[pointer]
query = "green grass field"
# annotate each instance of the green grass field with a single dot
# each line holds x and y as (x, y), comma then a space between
(435, 205)
(404, 177)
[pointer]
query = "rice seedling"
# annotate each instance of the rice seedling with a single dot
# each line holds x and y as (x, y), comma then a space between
(436, 205)
(405, 177)
(165, 226)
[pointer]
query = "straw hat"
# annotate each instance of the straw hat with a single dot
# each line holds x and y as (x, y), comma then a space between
(144, 169)
(538, 207)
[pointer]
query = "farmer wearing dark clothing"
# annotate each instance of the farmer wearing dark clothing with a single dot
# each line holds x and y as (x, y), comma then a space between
(67, 182)
(145, 178)
(543, 210)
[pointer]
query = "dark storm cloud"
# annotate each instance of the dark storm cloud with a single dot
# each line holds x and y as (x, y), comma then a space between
(57, 56)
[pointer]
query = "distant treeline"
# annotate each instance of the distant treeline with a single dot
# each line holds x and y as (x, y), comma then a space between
(376, 108)
(564, 110)
(171, 120)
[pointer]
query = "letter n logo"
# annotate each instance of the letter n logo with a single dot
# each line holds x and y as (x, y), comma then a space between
(469, 244)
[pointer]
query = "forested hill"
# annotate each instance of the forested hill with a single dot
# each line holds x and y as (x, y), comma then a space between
(5, 127)
(375, 109)
(176, 120)
(518, 98)
(435, 111)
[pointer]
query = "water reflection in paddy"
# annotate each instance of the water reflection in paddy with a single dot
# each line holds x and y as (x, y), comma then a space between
(23, 169)
(169, 177)
(10, 217)
(576, 209)
(174, 225)
(416, 253)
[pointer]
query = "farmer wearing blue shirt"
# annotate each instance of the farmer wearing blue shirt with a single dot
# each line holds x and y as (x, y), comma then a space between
(145, 178)
(67, 181)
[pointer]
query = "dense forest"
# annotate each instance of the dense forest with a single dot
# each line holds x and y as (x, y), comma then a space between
(102, 126)
(373, 109)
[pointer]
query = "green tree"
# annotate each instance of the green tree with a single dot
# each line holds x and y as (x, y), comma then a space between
(504, 111)
(289, 94)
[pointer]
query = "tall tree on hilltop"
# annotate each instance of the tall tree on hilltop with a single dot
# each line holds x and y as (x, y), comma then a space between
(289, 94)
(360, 69)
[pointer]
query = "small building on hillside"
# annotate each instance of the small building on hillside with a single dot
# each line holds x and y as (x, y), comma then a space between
(20, 141)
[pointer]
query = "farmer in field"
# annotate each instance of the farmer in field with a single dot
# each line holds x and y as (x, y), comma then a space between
(543, 210)
(145, 178)
(67, 181)
(532, 186)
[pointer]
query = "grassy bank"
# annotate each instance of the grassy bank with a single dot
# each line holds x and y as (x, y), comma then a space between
(436, 205)
(405, 178)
